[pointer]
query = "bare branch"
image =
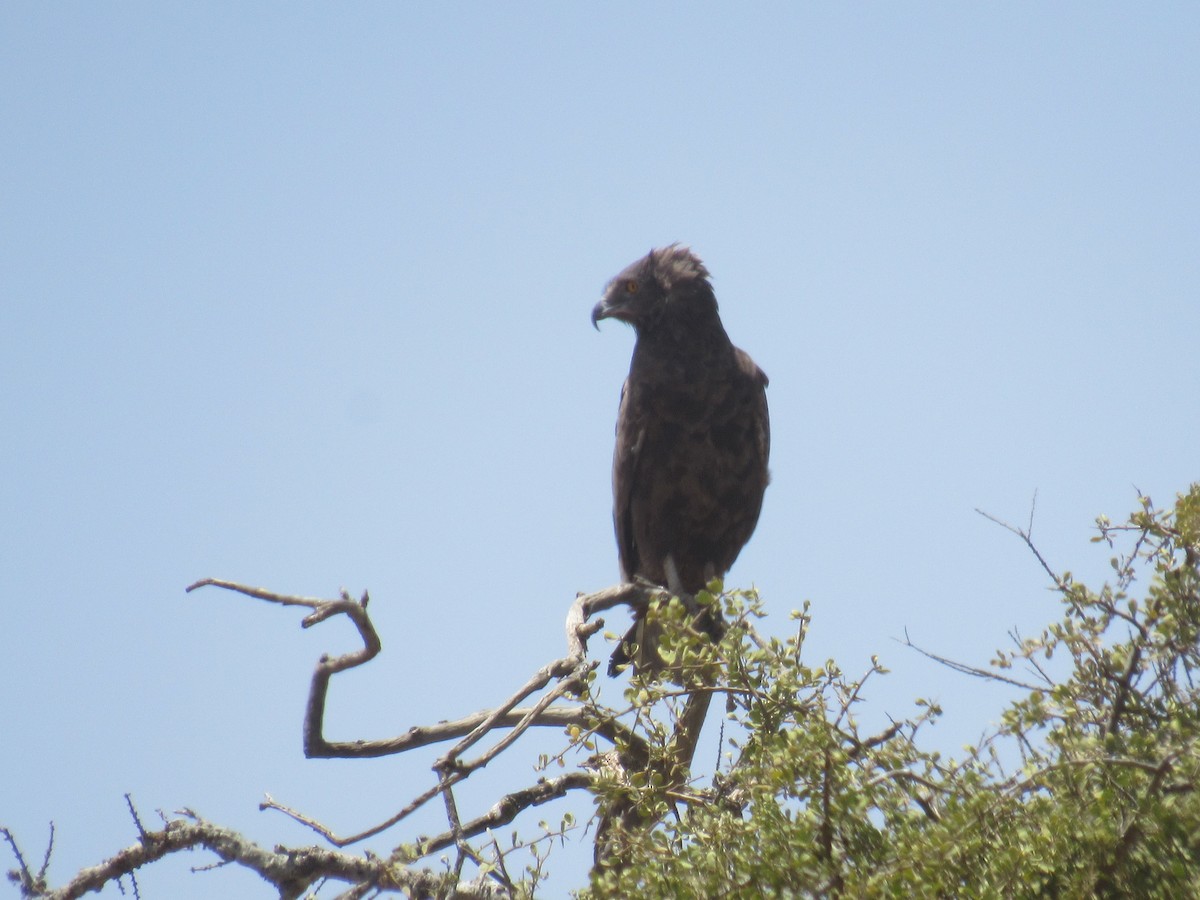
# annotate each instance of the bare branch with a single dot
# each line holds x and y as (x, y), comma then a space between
(579, 629)
(564, 677)
(259, 593)
(137, 821)
(509, 807)
(988, 674)
(424, 735)
(314, 744)
(291, 870)
(464, 852)
(41, 875)
(1025, 536)
(31, 885)
(570, 674)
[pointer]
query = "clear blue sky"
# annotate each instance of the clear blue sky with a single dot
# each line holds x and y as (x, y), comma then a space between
(298, 295)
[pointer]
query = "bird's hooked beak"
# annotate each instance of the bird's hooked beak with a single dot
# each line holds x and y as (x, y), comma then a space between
(599, 311)
(605, 309)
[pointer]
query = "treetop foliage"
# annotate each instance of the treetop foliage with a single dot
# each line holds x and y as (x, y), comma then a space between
(1102, 799)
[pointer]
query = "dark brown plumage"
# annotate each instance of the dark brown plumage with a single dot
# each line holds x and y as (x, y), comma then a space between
(693, 434)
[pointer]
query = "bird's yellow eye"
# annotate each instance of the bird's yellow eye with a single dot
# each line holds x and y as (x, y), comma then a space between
(631, 286)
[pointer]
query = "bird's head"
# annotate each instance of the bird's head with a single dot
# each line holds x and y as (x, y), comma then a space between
(670, 280)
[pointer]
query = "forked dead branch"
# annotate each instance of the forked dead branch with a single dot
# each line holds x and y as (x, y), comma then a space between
(561, 680)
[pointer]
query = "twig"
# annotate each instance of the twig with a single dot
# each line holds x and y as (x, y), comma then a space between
(965, 669)
(41, 875)
(563, 669)
(259, 593)
(579, 628)
(455, 826)
(509, 807)
(1025, 536)
(28, 883)
(137, 822)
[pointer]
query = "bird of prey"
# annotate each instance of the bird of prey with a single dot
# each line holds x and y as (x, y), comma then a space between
(693, 437)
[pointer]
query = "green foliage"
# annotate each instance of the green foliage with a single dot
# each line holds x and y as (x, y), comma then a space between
(1102, 803)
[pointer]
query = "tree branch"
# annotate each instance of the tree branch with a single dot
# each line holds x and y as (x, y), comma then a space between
(569, 673)
(508, 807)
(291, 870)
(966, 669)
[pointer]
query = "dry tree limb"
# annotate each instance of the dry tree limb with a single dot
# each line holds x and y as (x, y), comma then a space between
(293, 871)
(327, 666)
(569, 675)
(508, 807)
(579, 629)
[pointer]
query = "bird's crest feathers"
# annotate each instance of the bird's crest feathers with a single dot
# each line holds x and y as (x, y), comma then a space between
(675, 265)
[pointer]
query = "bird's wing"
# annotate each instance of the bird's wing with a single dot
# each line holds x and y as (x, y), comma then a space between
(625, 467)
(761, 416)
